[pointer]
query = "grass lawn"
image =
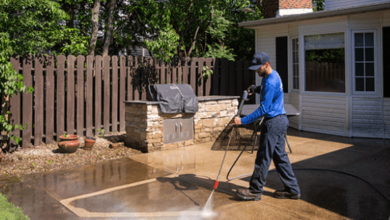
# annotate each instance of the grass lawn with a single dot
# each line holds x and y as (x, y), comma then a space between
(9, 211)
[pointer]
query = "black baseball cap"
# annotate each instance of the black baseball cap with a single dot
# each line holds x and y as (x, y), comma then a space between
(258, 60)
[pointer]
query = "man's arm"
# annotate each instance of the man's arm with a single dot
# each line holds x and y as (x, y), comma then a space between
(265, 105)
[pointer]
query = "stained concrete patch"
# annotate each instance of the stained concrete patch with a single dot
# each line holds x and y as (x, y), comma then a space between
(165, 196)
(92, 178)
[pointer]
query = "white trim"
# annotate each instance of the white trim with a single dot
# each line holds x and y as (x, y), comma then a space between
(292, 64)
(376, 91)
(303, 65)
(293, 11)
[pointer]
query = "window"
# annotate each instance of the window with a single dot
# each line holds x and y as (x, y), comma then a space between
(364, 67)
(295, 63)
(325, 63)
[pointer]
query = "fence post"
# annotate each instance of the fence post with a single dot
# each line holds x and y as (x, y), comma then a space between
(70, 95)
(98, 93)
(50, 92)
(106, 92)
(89, 97)
(60, 95)
(136, 79)
(39, 84)
(199, 77)
(122, 93)
(193, 74)
(130, 69)
(114, 96)
(80, 95)
(216, 79)
(208, 79)
(27, 104)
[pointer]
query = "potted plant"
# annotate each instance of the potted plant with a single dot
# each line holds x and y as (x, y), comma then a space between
(89, 142)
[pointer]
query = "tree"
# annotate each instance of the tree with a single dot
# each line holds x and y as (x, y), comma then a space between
(204, 27)
(29, 27)
(318, 5)
(95, 26)
(110, 27)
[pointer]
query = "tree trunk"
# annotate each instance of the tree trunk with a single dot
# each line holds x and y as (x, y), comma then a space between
(69, 9)
(95, 27)
(110, 28)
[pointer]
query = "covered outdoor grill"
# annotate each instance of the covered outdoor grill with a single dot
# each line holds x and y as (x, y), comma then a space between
(174, 98)
(173, 116)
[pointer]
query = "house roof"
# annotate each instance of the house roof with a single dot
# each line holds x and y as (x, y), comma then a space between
(316, 15)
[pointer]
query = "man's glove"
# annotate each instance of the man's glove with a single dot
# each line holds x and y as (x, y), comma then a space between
(252, 89)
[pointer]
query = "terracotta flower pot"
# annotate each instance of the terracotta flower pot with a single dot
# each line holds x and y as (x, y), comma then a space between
(69, 137)
(69, 146)
(89, 142)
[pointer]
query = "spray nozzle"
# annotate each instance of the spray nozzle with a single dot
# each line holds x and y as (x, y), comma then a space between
(216, 184)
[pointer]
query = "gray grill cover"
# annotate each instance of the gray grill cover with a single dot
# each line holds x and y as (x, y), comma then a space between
(174, 98)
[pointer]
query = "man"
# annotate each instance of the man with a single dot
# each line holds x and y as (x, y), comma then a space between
(272, 142)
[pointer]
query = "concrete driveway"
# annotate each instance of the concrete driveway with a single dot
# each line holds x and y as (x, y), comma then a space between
(175, 184)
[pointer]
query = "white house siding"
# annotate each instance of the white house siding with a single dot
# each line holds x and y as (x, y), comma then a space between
(324, 114)
(266, 39)
(365, 21)
(323, 26)
(387, 117)
(294, 100)
(367, 117)
(336, 4)
(386, 19)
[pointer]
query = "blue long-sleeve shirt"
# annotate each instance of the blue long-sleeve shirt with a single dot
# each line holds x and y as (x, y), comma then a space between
(271, 99)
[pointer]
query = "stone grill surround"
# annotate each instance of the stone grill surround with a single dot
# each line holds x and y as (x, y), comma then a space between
(144, 122)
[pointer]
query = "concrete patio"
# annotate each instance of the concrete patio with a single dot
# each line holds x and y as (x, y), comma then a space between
(175, 184)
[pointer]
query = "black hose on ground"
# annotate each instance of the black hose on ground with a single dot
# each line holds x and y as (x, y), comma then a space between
(315, 169)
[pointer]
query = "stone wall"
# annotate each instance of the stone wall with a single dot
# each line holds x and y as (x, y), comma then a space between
(144, 123)
(212, 118)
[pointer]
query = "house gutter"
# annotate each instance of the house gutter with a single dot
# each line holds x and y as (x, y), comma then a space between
(316, 15)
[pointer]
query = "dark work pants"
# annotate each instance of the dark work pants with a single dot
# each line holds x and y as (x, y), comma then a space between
(272, 146)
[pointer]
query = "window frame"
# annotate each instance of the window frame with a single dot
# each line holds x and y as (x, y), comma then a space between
(302, 58)
(375, 62)
(297, 63)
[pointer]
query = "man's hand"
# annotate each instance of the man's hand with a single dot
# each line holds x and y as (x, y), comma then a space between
(251, 89)
(237, 121)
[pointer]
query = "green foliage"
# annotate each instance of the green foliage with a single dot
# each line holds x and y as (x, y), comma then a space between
(78, 44)
(10, 211)
(200, 26)
(100, 132)
(318, 5)
(220, 52)
(207, 72)
(164, 47)
(29, 27)
(326, 56)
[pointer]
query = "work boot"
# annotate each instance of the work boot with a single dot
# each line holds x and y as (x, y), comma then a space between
(247, 195)
(285, 194)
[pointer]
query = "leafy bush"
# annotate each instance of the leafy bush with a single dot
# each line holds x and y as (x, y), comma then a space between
(10, 211)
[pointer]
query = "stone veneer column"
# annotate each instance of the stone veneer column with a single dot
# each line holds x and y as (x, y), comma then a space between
(212, 118)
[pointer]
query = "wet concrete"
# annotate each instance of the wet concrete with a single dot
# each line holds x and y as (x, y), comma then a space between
(176, 184)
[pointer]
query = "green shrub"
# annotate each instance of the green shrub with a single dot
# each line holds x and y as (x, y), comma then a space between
(9, 211)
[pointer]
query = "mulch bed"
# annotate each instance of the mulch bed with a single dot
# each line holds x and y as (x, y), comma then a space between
(46, 157)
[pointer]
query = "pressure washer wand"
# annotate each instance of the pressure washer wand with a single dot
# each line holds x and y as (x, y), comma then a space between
(244, 98)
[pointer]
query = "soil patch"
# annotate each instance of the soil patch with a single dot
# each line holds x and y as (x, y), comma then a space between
(46, 157)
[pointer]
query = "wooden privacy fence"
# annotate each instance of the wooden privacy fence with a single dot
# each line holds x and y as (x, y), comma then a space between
(78, 95)
(325, 77)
